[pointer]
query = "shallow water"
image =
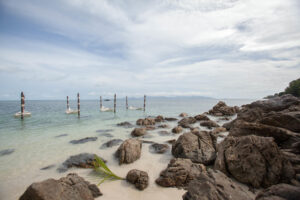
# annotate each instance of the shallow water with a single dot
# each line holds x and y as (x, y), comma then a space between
(36, 145)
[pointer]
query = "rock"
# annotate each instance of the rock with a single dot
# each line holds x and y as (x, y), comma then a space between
(201, 118)
(253, 160)
(159, 118)
(279, 192)
(228, 125)
(149, 128)
(164, 133)
(129, 151)
(195, 129)
(107, 135)
(139, 178)
(71, 187)
(111, 143)
(199, 147)
(171, 141)
(163, 126)
(219, 130)
(214, 185)
(125, 124)
(6, 152)
(61, 135)
(145, 122)
(179, 173)
(209, 124)
(48, 167)
(183, 115)
(138, 132)
(187, 120)
(104, 130)
(83, 140)
(283, 137)
(177, 129)
(82, 160)
(159, 148)
(170, 119)
(147, 142)
(221, 109)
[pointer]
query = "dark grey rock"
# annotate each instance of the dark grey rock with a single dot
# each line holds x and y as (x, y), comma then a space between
(48, 167)
(159, 148)
(83, 140)
(170, 119)
(111, 143)
(6, 152)
(139, 178)
(125, 124)
(104, 130)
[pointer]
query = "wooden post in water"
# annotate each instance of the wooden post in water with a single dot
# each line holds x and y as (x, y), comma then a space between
(100, 102)
(68, 106)
(126, 103)
(22, 105)
(115, 103)
(78, 104)
(144, 103)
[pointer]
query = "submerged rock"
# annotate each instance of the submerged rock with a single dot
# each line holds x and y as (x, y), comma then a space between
(129, 151)
(280, 192)
(61, 135)
(71, 187)
(159, 148)
(199, 147)
(253, 160)
(214, 185)
(139, 178)
(6, 152)
(177, 129)
(82, 160)
(111, 143)
(221, 109)
(125, 124)
(83, 140)
(107, 135)
(179, 173)
(138, 132)
(209, 124)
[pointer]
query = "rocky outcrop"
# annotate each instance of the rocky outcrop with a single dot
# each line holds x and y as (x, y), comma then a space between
(159, 118)
(145, 122)
(83, 140)
(83, 160)
(201, 118)
(179, 173)
(111, 143)
(129, 151)
(221, 109)
(125, 124)
(253, 160)
(71, 187)
(214, 185)
(200, 147)
(279, 192)
(139, 178)
(209, 124)
(159, 148)
(138, 132)
(177, 129)
(185, 122)
(183, 115)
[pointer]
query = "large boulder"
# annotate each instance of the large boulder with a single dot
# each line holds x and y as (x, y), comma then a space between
(185, 122)
(280, 192)
(197, 146)
(209, 124)
(139, 178)
(145, 122)
(214, 185)
(129, 151)
(138, 132)
(71, 187)
(221, 109)
(82, 160)
(253, 160)
(179, 173)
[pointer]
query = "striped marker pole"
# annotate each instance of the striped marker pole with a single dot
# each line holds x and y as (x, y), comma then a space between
(144, 103)
(22, 105)
(126, 103)
(78, 104)
(115, 103)
(68, 106)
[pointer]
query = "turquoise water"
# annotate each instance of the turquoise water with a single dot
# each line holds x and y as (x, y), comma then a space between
(35, 145)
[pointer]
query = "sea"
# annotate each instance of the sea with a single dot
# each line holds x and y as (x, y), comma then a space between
(43, 139)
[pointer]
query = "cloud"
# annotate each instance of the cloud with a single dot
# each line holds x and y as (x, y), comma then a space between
(224, 48)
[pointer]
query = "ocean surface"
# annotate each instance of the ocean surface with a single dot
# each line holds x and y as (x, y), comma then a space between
(35, 145)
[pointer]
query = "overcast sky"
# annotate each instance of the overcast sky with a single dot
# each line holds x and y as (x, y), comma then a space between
(215, 48)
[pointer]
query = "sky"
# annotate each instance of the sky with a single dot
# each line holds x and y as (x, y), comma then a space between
(214, 48)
